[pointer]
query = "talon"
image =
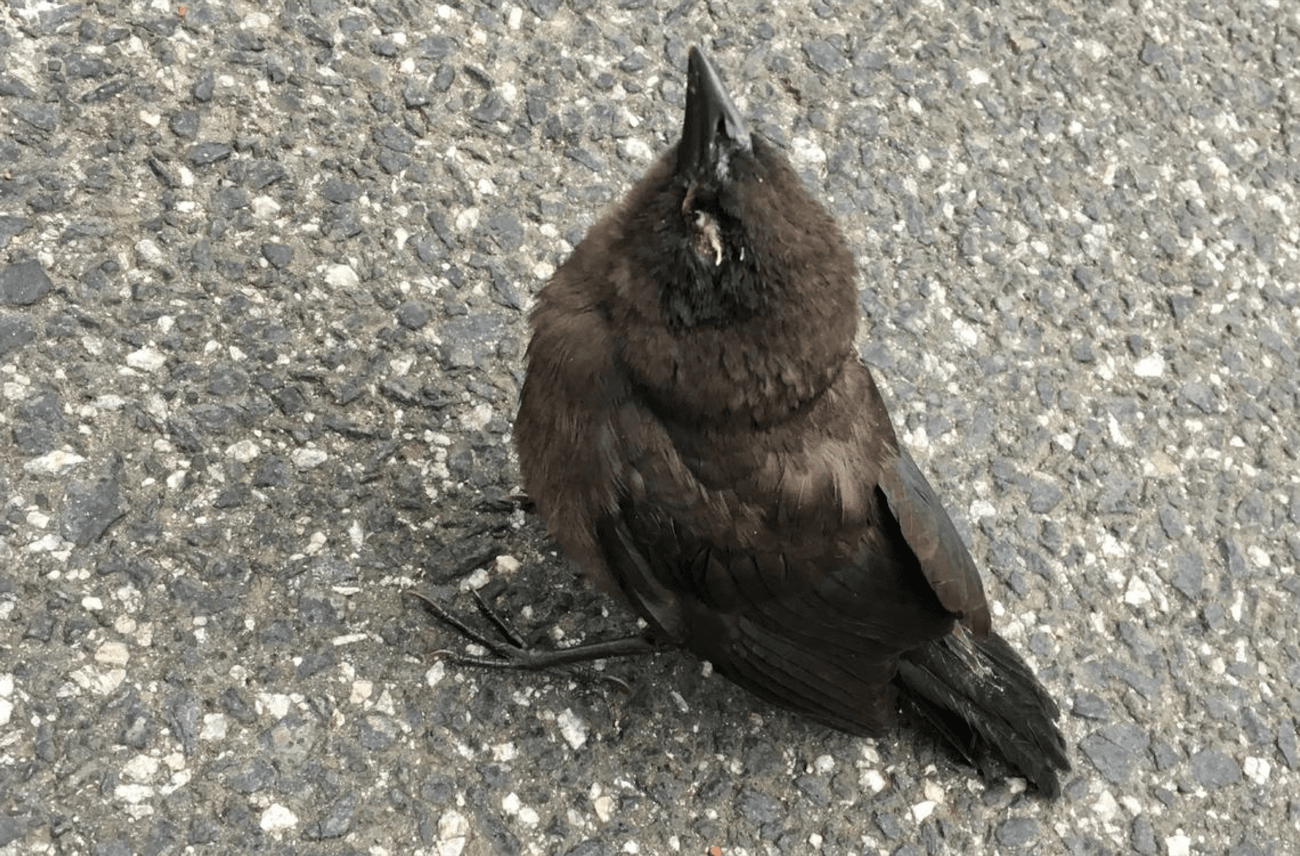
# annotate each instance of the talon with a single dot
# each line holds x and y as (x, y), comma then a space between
(623, 686)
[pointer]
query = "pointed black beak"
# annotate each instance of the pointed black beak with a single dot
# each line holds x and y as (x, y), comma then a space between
(713, 130)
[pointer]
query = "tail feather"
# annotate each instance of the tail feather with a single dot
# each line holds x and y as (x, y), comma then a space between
(975, 691)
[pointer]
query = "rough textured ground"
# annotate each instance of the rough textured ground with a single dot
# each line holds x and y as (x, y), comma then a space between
(263, 283)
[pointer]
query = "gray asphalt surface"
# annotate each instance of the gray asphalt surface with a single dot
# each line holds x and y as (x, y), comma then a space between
(263, 286)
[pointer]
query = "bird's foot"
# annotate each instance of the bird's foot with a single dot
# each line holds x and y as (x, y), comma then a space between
(510, 651)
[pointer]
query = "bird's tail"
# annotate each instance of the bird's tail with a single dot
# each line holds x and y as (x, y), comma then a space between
(981, 692)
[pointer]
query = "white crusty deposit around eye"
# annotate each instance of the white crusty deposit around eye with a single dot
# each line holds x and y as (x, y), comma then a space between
(707, 237)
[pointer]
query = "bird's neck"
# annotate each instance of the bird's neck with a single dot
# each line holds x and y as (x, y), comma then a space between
(759, 371)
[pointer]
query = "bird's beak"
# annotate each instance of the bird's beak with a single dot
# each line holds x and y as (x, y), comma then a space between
(713, 130)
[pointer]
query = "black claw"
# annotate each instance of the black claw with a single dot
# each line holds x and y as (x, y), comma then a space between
(505, 503)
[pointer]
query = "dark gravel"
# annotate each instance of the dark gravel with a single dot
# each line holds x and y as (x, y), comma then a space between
(263, 288)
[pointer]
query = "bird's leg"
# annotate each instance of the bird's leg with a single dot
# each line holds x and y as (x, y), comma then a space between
(512, 652)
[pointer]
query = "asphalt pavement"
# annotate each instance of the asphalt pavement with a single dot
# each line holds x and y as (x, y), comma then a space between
(264, 278)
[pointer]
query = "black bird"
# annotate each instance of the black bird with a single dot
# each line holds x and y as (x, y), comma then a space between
(701, 437)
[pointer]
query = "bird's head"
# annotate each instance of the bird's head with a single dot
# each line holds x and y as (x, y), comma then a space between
(734, 291)
(713, 278)
(725, 226)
